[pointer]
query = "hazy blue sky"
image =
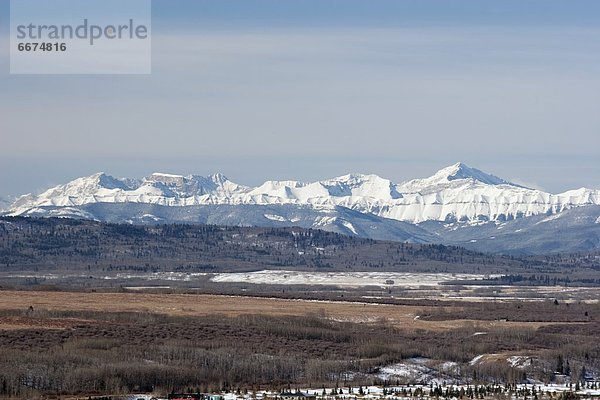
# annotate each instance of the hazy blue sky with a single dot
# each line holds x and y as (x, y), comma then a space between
(310, 89)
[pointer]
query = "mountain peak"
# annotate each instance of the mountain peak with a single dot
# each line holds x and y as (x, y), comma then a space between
(110, 182)
(452, 176)
(97, 180)
(218, 178)
(192, 185)
(463, 171)
(362, 185)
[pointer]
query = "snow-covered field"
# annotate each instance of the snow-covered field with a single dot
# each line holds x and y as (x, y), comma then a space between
(343, 279)
(149, 276)
(406, 285)
(377, 392)
(278, 277)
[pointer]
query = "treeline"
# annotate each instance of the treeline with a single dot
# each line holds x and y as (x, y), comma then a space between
(589, 260)
(28, 243)
(539, 280)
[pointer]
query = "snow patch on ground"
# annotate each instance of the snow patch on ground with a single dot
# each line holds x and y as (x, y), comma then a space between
(139, 397)
(151, 216)
(324, 221)
(419, 369)
(274, 217)
(550, 218)
(476, 359)
(411, 371)
(448, 366)
(515, 361)
(349, 225)
(520, 362)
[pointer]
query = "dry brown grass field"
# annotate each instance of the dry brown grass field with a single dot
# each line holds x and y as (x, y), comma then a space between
(97, 343)
(405, 316)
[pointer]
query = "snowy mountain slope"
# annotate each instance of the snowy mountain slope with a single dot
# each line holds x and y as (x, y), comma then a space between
(446, 176)
(455, 193)
(461, 193)
(330, 218)
(158, 188)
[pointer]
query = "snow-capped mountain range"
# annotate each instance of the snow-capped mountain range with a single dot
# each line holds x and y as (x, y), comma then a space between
(455, 193)
(364, 205)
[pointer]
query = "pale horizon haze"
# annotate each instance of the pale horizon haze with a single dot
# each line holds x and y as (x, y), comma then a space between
(307, 90)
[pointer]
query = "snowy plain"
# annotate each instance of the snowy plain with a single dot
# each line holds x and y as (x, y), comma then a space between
(344, 279)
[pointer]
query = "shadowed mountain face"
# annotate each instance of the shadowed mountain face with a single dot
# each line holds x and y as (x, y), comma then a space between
(333, 219)
(577, 229)
(458, 204)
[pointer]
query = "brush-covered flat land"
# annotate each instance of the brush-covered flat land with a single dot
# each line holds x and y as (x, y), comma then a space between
(97, 343)
(91, 309)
